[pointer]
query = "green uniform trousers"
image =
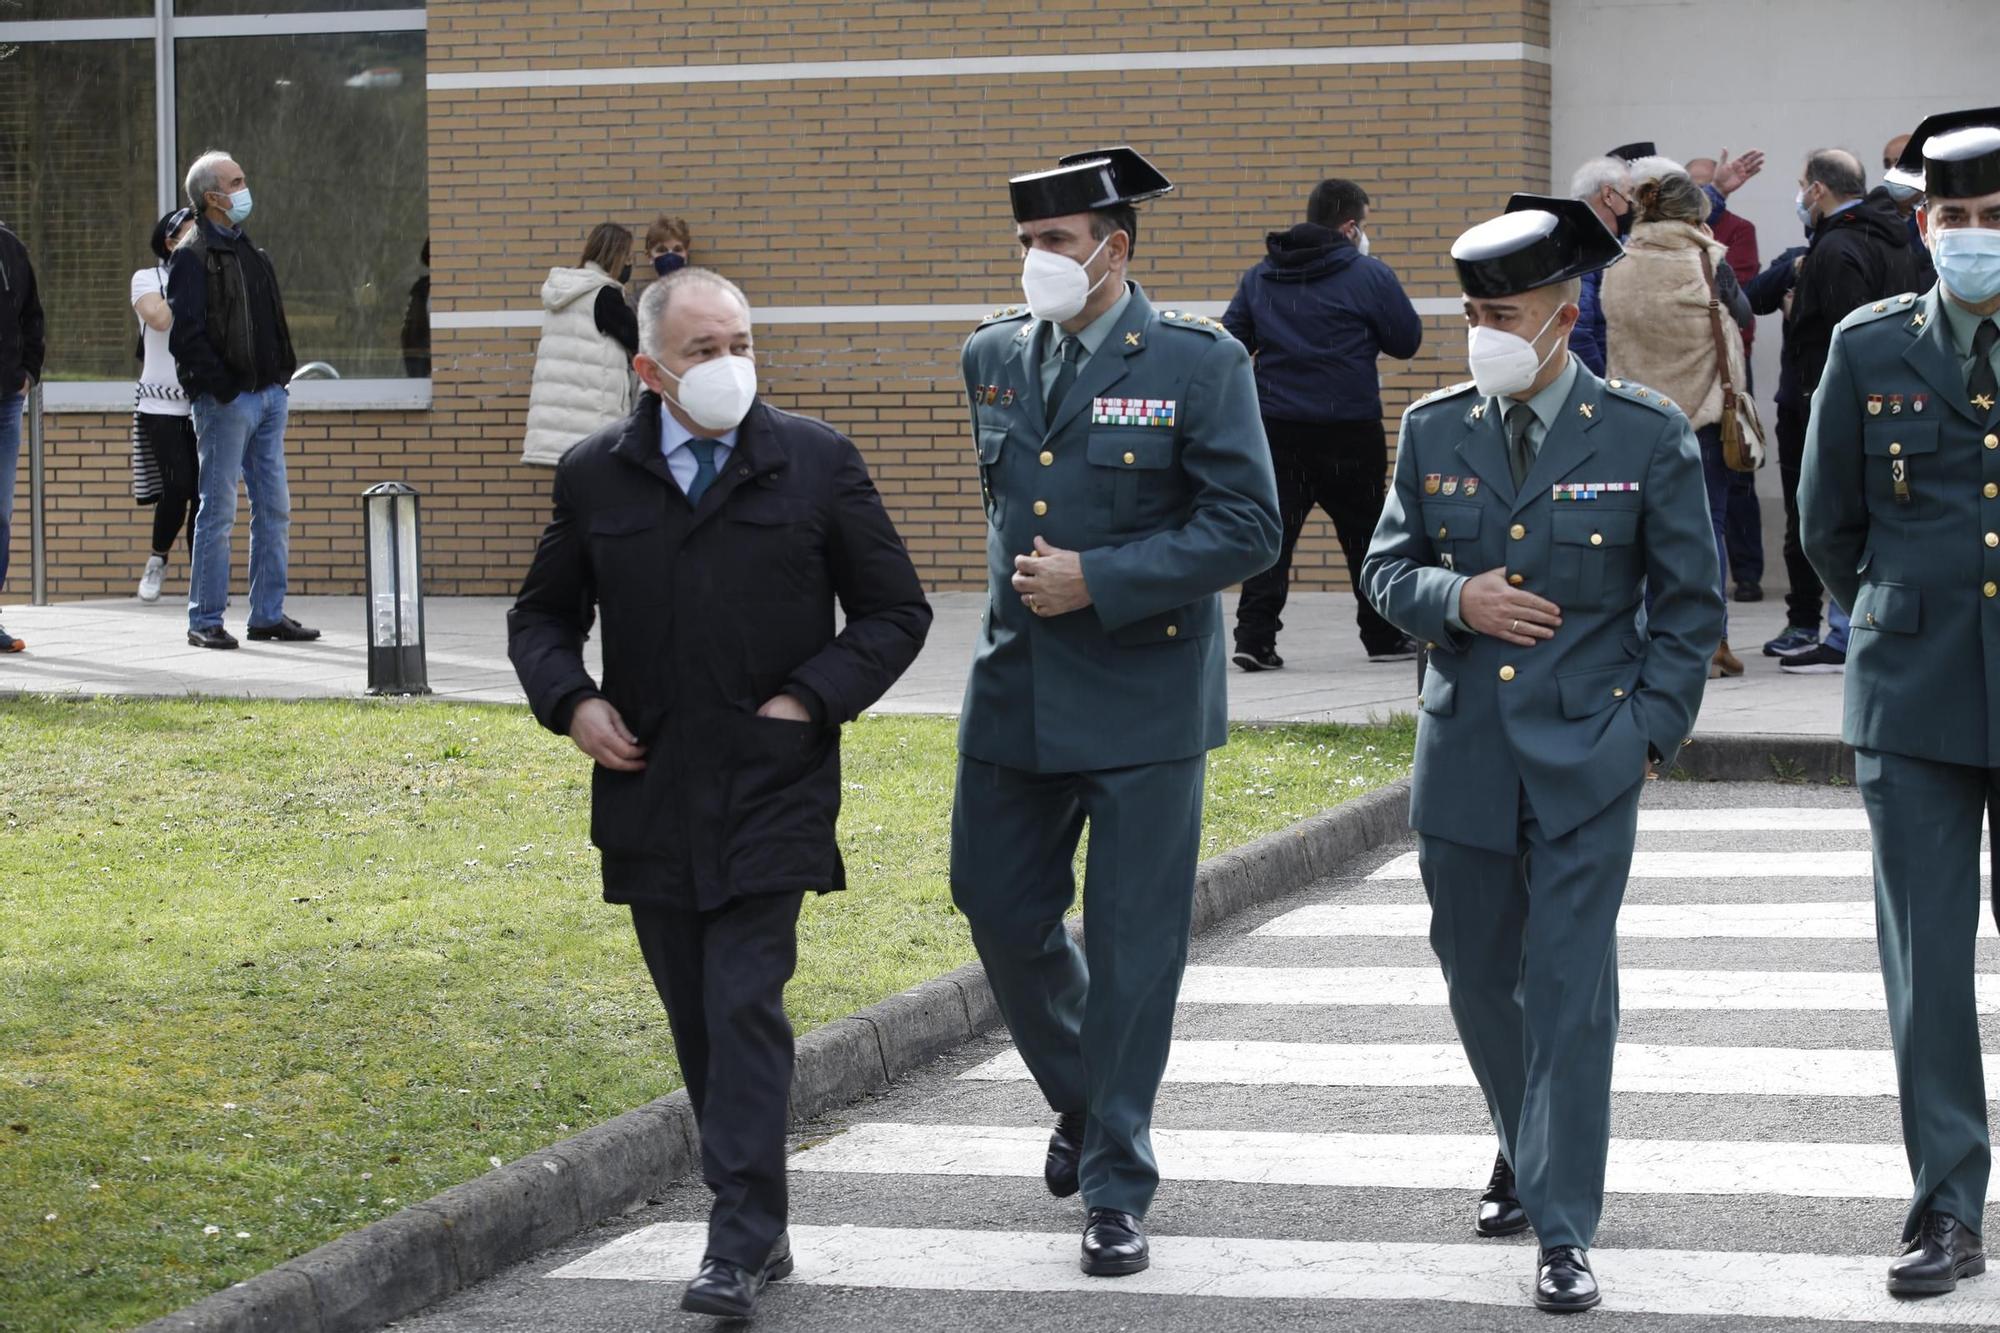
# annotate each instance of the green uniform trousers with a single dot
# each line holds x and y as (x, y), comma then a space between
(1926, 820)
(1529, 946)
(1093, 1024)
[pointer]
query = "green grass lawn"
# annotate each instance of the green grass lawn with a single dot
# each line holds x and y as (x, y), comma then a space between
(271, 971)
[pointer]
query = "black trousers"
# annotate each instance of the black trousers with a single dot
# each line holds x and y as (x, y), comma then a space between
(722, 976)
(1343, 467)
(171, 439)
(1802, 602)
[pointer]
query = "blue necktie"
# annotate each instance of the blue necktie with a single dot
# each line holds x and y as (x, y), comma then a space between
(704, 468)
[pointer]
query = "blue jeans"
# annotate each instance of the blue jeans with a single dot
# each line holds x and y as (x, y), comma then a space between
(1836, 627)
(245, 438)
(1716, 475)
(10, 459)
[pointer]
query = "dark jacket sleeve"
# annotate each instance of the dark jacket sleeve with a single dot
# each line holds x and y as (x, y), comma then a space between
(1238, 319)
(552, 617)
(1730, 293)
(1587, 338)
(1401, 573)
(1833, 495)
(616, 319)
(1232, 530)
(1767, 290)
(1392, 314)
(1684, 591)
(34, 329)
(199, 364)
(881, 599)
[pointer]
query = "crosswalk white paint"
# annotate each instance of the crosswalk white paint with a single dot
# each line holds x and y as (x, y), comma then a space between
(1379, 1161)
(1741, 1071)
(1839, 863)
(1638, 988)
(1844, 1288)
(1755, 819)
(1659, 921)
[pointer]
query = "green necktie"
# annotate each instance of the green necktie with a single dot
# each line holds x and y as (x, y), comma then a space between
(1980, 381)
(704, 468)
(1519, 457)
(1072, 352)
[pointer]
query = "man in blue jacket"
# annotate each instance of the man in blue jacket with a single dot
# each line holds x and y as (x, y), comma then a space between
(1316, 313)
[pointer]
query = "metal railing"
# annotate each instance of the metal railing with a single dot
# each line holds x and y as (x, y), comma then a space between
(38, 544)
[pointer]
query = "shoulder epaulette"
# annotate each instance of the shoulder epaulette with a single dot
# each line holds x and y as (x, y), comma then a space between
(1005, 313)
(1181, 319)
(1439, 395)
(1639, 393)
(1874, 310)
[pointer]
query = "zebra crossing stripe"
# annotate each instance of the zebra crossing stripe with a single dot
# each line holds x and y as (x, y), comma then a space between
(1638, 988)
(1848, 863)
(1723, 1071)
(1679, 921)
(1841, 1288)
(1379, 1161)
(1755, 819)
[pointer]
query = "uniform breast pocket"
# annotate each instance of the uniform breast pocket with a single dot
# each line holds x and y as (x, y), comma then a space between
(987, 442)
(625, 541)
(1901, 463)
(1454, 531)
(1133, 472)
(1594, 555)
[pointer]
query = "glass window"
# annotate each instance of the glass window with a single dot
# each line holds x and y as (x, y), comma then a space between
(77, 185)
(25, 11)
(330, 133)
(203, 8)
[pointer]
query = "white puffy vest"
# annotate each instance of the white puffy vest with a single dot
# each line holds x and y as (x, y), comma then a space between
(583, 380)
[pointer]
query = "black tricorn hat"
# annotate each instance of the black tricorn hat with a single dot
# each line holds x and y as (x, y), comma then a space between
(1952, 155)
(1538, 241)
(1085, 182)
(1632, 152)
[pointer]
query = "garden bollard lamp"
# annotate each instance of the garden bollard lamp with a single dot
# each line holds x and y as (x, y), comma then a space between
(391, 530)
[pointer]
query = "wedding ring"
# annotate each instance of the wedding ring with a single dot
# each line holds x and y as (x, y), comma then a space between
(1514, 627)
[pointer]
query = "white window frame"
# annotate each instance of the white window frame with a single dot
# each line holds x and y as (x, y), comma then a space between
(163, 29)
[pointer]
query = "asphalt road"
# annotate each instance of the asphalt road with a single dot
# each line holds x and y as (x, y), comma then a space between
(1324, 1160)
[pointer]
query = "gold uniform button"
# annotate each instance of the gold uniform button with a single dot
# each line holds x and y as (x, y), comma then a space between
(1420, 701)
(1618, 693)
(1871, 617)
(1895, 448)
(1430, 647)
(1517, 532)
(1041, 507)
(1597, 539)
(1047, 458)
(1130, 458)
(1993, 442)
(1173, 631)
(1991, 590)
(1516, 580)
(1992, 491)
(1506, 673)
(1443, 533)
(1993, 539)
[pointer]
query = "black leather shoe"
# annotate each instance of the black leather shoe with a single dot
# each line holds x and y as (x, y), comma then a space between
(1564, 1283)
(1500, 1206)
(1942, 1253)
(1749, 592)
(1262, 659)
(214, 636)
(1065, 1152)
(1113, 1244)
(779, 1265)
(287, 630)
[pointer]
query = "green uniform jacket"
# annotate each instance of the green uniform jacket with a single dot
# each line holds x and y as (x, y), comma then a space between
(1919, 567)
(1571, 720)
(1156, 470)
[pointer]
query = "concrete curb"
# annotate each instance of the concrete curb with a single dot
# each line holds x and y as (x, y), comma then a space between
(1773, 758)
(415, 1258)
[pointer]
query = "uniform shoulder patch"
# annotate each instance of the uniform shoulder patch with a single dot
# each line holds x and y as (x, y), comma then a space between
(1883, 309)
(1439, 395)
(1181, 319)
(1639, 393)
(1005, 313)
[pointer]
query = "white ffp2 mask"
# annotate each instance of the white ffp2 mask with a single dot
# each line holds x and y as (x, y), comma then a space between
(1505, 364)
(1057, 287)
(716, 395)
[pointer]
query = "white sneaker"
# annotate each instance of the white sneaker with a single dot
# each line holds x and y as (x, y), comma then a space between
(149, 582)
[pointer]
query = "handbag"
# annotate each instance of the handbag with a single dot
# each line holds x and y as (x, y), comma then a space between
(1742, 429)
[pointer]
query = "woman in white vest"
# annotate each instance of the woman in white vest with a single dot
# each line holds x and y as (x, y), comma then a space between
(165, 471)
(583, 368)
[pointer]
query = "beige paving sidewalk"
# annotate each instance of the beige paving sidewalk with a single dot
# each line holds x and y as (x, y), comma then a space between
(126, 647)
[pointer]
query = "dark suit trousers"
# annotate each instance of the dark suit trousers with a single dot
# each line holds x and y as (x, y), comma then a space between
(722, 975)
(1529, 946)
(1342, 467)
(1093, 1024)
(1925, 817)
(1802, 603)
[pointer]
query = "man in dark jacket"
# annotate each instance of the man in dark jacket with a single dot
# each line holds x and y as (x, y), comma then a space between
(1859, 254)
(22, 344)
(234, 353)
(715, 552)
(1316, 313)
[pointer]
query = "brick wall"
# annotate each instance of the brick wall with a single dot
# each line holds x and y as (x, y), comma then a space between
(823, 191)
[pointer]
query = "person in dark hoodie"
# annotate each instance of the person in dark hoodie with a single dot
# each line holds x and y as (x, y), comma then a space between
(1315, 314)
(21, 346)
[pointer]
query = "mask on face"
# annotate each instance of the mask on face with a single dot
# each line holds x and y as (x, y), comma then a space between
(716, 394)
(1361, 240)
(625, 274)
(668, 263)
(1805, 210)
(1902, 194)
(1057, 287)
(1503, 364)
(239, 206)
(1624, 224)
(1968, 262)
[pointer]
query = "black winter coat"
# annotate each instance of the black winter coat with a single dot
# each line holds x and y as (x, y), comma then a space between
(1857, 257)
(708, 612)
(22, 337)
